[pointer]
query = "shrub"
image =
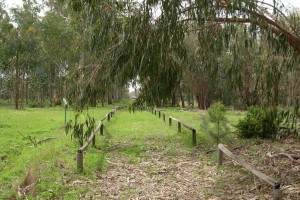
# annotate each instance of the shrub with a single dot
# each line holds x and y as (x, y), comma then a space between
(290, 124)
(261, 122)
(217, 127)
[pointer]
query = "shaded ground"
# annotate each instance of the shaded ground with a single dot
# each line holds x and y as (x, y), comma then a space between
(160, 170)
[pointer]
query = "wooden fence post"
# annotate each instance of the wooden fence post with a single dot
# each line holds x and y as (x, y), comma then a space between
(276, 192)
(79, 160)
(179, 127)
(108, 117)
(194, 137)
(94, 141)
(101, 129)
(164, 117)
(170, 121)
(220, 157)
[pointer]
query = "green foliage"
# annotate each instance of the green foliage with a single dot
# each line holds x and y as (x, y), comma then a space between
(290, 124)
(217, 126)
(80, 129)
(261, 122)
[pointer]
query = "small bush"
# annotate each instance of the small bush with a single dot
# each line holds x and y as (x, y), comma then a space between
(217, 126)
(260, 122)
(290, 124)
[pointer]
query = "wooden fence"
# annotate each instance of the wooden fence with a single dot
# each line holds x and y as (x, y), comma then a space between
(180, 123)
(275, 184)
(223, 150)
(92, 138)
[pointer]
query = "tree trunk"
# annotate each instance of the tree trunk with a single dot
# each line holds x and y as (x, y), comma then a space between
(198, 100)
(26, 93)
(202, 96)
(181, 98)
(17, 95)
(93, 100)
(158, 103)
(102, 100)
(173, 99)
(109, 98)
(23, 88)
(191, 99)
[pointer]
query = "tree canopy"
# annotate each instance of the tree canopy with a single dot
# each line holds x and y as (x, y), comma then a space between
(145, 40)
(204, 50)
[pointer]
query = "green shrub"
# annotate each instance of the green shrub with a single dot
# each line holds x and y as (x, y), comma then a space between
(217, 126)
(290, 124)
(261, 122)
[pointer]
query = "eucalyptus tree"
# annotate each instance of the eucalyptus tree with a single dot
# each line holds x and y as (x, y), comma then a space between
(26, 42)
(205, 48)
(146, 39)
(5, 29)
(59, 42)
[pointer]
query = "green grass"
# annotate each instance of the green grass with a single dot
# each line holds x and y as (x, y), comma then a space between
(49, 169)
(46, 165)
(196, 118)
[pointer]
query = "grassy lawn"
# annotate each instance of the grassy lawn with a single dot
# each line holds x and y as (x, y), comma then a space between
(44, 169)
(139, 155)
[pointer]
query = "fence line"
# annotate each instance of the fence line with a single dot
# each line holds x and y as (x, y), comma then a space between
(180, 123)
(276, 193)
(194, 140)
(92, 138)
(276, 185)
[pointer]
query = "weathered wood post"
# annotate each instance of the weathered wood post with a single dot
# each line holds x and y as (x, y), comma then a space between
(179, 126)
(159, 114)
(108, 117)
(80, 160)
(170, 121)
(164, 117)
(101, 129)
(220, 157)
(94, 141)
(194, 137)
(277, 192)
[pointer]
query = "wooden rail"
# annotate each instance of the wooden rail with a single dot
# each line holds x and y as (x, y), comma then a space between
(275, 184)
(92, 138)
(180, 123)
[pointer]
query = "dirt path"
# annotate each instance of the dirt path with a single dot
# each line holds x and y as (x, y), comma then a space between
(156, 174)
(162, 170)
